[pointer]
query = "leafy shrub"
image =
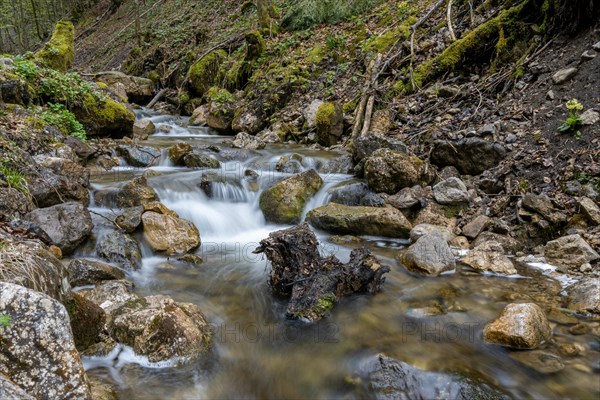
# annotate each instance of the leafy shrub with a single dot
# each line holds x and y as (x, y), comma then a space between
(314, 12)
(14, 178)
(63, 119)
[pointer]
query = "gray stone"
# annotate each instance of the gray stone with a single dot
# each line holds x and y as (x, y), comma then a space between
(470, 156)
(451, 192)
(310, 113)
(139, 156)
(120, 249)
(406, 198)
(584, 296)
(570, 251)
(67, 225)
(10, 391)
(476, 226)
(110, 295)
(429, 255)
(363, 147)
(40, 338)
(130, 219)
(90, 272)
(542, 205)
(142, 128)
(588, 55)
(247, 120)
(196, 159)
(389, 171)
(564, 75)
(590, 117)
(596, 46)
(519, 326)
(590, 209)
(425, 229)
(245, 141)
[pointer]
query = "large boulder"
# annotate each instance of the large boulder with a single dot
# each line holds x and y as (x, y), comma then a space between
(284, 202)
(59, 52)
(389, 171)
(377, 221)
(30, 265)
(310, 113)
(470, 156)
(584, 296)
(364, 146)
(105, 117)
(203, 74)
(387, 379)
(59, 180)
(429, 255)
(570, 251)
(67, 225)
(161, 329)
(169, 234)
(139, 156)
(139, 90)
(451, 192)
(519, 326)
(39, 346)
(248, 120)
(90, 272)
(120, 249)
(136, 193)
(489, 257)
(329, 124)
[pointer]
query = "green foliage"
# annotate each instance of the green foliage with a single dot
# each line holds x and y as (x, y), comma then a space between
(63, 119)
(14, 178)
(5, 320)
(219, 96)
(307, 13)
(573, 122)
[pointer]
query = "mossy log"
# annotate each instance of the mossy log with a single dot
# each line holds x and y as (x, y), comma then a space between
(314, 283)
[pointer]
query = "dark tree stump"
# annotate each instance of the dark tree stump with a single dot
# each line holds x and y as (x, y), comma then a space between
(313, 283)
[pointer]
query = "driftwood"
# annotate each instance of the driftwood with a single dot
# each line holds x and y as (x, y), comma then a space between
(157, 98)
(367, 99)
(314, 283)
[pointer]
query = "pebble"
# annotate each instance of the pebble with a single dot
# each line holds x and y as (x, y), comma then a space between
(588, 55)
(579, 329)
(587, 267)
(550, 95)
(569, 350)
(596, 47)
(564, 75)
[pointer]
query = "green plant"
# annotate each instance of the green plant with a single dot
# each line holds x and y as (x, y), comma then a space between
(5, 320)
(573, 121)
(307, 13)
(63, 119)
(14, 178)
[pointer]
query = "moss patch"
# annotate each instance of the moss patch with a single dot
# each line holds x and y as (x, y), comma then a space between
(59, 52)
(205, 73)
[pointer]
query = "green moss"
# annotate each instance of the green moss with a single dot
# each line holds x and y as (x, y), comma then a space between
(316, 55)
(451, 211)
(154, 76)
(326, 114)
(102, 85)
(350, 106)
(58, 53)
(256, 45)
(205, 73)
(219, 96)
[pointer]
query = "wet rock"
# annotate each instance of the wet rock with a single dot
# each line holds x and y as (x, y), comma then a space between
(451, 191)
(329, 124)
(130, 219)
(247, 120)
(10, 391)
(139, 156)
(245, 141)
(470, 156)
(136, 193)
(110, 295)
(139, 90)
(30, 265)
(87, 320)
(350, 194)
(178, 151)
(101, 390)
(120, 249)
(570, 251)
(429, 255)
(489, 257)
(341, 164)
(564, 75)
(360, 220)
(90, 272)
(161, 329)
(13, 203)
(543, 362)
(160, 208)
(389, 171)
(314, 284)
(142, 128)
(542, 205)
(476, 226)
(290, 164)
(424, 229)
(268, 136)
(364, 147)
(407, 198)
(196, 159)
(436, 214)
(192, 259)
(519, 326)
(387, 379)
(59, 180)
(310, 113)
(169, 234)
(590, 209)
(584, 296)
(108, 118)
(284, 202)
(509, 244)
(40, 338)
(198, 117)
(67, 225)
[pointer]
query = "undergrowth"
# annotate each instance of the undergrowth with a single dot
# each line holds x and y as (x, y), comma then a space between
(307, 13)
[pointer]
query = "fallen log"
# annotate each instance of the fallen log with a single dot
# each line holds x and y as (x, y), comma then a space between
(314, 283)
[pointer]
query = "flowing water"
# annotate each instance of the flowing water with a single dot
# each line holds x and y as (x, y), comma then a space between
(432, 323)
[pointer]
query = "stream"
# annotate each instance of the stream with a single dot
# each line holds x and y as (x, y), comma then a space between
(434, 324)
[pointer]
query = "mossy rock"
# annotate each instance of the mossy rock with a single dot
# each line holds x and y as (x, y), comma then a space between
(105, 118)
(59, 52)
(87, 320)
(203, 74)
(284, 202)
(330, 123)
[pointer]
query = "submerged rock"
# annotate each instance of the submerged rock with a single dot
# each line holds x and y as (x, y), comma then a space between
(377, 221)
(170, 234)
(519, 326)
(386, 378)
(120, 249)
(40, 338)
(67, 225)
(314, 284)
(429, 255)
(284, 202)
(542, 361)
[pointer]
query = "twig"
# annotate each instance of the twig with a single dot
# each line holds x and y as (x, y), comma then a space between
(156, 98)
(449, 19)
